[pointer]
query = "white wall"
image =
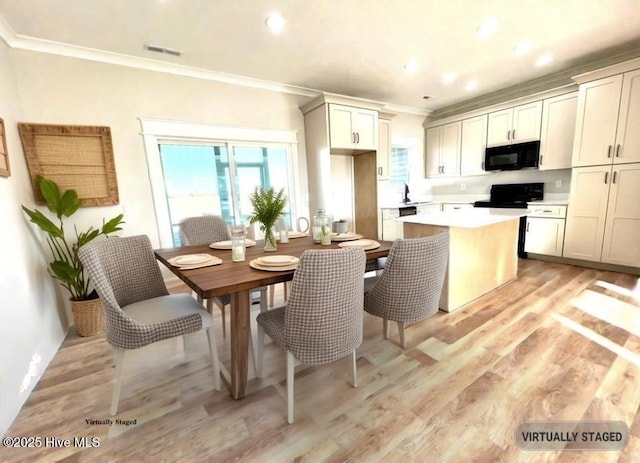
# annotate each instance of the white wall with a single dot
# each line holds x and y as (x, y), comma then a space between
(33, 317)
(34, 312)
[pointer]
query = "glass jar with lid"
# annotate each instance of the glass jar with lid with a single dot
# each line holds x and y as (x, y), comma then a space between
(320, 226)
(238, 244)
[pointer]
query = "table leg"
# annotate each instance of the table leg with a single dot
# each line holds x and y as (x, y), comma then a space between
(240, 332)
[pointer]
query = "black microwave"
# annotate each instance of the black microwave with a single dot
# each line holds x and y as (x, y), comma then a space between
(512, 157)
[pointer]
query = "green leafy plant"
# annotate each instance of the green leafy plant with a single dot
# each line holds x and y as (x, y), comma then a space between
(66, 267)
(267, 209)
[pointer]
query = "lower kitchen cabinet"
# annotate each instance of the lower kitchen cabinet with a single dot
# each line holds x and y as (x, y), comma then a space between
(544, 236)
(603, 222)
(391, 229)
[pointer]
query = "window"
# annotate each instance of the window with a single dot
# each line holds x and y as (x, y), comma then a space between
(399, 165)
(195, 171)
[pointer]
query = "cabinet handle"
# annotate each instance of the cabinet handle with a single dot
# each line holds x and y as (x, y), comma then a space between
(606, 176)
(541, 159)
(528, 223)
(513, 134)
(508, 134)
(609, 151)
(482, 165)
(443, 169)
(613, 180)
(618, 151)
(357, 137)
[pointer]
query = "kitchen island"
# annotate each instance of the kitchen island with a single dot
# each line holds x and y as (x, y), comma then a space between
(482, 250)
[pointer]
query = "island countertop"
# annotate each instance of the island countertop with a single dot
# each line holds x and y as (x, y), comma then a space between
(466, 218)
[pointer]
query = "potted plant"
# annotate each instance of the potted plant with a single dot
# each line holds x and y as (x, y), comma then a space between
(267, 209)
(66, 267)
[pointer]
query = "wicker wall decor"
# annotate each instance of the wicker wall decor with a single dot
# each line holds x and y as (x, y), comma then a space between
(4, 154)
(75, 157)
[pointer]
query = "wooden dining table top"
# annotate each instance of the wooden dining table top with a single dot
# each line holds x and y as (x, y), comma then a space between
(230, 277)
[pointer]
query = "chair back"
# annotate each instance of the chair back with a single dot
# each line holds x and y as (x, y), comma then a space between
(124, 271)
(205, 229)
(323, 315)
(410, 285)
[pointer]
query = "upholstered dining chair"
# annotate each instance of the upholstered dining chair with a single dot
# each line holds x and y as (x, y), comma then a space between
(408, 290)
(137, 306)
(209, 229)
(322, 320)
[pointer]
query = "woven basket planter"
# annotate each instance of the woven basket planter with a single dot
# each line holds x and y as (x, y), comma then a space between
(88, 317)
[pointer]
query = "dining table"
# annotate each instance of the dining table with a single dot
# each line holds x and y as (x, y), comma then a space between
(238, 279)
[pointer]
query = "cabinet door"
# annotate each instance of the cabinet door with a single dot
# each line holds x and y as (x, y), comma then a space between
(384, 149)
(628, 135)
(473, 145)
(598, 104)
(558, 128)
(432, 153)
(622, 231)
(341, 130)
(499, 127)
(526, 122)
(587, 211)
(365, 126)
(450, 149)
(544, 236)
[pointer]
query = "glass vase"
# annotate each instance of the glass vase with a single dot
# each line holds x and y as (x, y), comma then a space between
(269, 239)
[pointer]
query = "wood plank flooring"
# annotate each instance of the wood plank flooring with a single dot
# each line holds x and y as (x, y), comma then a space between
(559, 343)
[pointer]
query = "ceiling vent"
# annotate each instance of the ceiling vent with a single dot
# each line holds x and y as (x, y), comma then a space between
(159, 49)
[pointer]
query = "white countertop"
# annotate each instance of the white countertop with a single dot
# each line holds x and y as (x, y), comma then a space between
(466, 218)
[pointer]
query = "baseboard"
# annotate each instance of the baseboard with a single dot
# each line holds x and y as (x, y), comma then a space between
(586, 263)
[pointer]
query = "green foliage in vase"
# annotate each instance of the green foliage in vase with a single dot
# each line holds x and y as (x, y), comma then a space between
(66, 267)
(268, 207)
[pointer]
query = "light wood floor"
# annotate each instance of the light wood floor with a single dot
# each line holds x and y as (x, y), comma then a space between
(561, 343)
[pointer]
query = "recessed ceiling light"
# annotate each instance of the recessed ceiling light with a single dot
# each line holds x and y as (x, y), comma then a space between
(522, 48)
(544, 60)
(411, 66)
(487, 28)
(275, 23)
(471, 85)
(449, 78)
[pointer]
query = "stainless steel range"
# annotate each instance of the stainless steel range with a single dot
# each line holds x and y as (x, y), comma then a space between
(515, 196)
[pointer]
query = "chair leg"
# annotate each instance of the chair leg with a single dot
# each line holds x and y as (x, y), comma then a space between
(223, 309)
(286, 290)
(291, 364)
(401, 333)
(272, 296)
(385, 328)
(354, 375)
(260, 351)
(115, 399)
(252, 355)
(213, 350)
(263, 299)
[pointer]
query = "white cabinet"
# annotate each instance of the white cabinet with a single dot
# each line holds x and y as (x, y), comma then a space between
(391, 229)
(353, 128)
(545, 230)
(473, 145)
(428, 208)
(384, 149)
(515, 125)
(443, 150)
(608, 117)
(558, 128)
(603, 222)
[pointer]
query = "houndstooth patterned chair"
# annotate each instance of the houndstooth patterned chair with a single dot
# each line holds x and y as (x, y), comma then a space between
(209, 229)
(137, 306)
(408, 290)
(322, 321)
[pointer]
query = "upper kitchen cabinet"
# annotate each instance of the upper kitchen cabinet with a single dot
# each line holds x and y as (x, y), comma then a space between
(384, 146)
(443, 150)
(473, 145)
(608, 115)
(515, 125)
(558, 128)
(353, 128)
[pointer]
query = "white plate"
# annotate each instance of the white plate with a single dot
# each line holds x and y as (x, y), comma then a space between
(277, 261)
(227, 244)
(191, 259)
(367, 245)
(297, 234)
(270, 268)
(348, 236)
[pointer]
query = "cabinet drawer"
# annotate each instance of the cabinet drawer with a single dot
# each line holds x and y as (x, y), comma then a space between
(448, 207)
(388, 214)
(556, 212)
